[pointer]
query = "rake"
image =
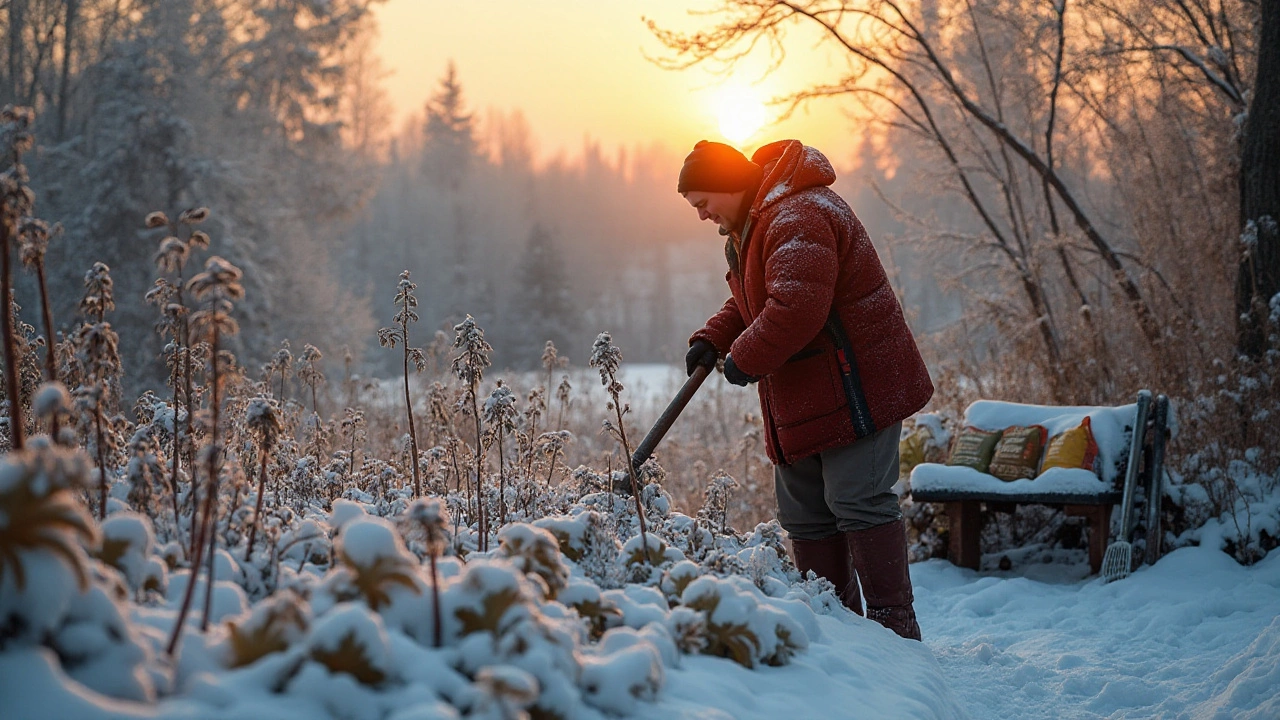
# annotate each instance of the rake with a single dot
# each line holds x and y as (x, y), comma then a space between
(1118, 562)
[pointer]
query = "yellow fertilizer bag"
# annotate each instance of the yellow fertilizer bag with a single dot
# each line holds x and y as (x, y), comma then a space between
(1018, 453)
(1074, 448)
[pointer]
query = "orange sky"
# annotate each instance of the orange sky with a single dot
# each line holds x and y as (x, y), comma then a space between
(577, 70)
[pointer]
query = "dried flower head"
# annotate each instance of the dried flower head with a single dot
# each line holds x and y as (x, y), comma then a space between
(98, 291)
(172, 255)
(194, 216)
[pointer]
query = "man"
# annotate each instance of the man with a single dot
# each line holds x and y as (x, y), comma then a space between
(815, 322)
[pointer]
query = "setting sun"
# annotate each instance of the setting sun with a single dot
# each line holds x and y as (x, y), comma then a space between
(741, 114)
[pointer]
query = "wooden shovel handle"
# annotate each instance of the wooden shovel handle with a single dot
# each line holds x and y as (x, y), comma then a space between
(668, 417)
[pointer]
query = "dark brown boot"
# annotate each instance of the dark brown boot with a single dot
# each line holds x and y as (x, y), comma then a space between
(879, 555)
(829, 558)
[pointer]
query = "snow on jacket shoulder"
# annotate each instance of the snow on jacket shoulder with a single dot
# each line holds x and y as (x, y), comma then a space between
(803, 254)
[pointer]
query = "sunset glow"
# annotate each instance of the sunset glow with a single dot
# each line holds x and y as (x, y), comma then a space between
(580, 72)
(741, 114)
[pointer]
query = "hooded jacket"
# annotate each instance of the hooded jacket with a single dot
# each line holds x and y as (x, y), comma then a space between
(813, 314)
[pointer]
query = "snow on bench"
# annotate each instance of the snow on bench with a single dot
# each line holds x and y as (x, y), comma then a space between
(1078, 491)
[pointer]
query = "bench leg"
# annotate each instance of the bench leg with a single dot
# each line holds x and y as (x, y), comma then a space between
(965, 517)
(1099, 531)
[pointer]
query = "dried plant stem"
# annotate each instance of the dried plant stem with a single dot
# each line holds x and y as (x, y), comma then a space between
(436, 625)
(11, 360)
(211, 497)
(408, 406)
(50, 362)
(174, 488)
(551, 467)
(502, 483)
(102, 460)
(482, 515)
(257, 507)
(631, 473)
(187, 400)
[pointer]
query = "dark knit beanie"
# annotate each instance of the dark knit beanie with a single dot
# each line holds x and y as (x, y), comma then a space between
(716, 167)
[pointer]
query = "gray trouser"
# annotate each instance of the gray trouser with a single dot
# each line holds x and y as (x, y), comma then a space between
(845, 488)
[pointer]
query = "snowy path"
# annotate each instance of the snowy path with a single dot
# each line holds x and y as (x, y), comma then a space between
(1195, 636)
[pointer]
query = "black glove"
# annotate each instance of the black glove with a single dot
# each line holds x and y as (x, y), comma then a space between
(735, 375)
(701, 353)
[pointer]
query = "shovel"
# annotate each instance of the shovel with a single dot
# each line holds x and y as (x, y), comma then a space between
(668, 417)
(1118, 562)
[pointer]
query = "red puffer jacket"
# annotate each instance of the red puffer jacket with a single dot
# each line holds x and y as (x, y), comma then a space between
(827, 378)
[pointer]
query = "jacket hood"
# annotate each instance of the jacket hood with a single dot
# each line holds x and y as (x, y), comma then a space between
(790, 167)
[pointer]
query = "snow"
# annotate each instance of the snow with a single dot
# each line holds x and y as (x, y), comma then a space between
(931, 476)
(1195, 635)
(366, 541)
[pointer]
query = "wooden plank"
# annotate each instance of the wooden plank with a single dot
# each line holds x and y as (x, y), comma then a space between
(964, 548)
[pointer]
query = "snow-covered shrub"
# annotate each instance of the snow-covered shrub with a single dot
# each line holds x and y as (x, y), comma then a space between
(741, 627)
(373, 561)
(624, 669)
(42, 529)
(273, 625)
(126, 545)
(536, 553)
(351, 639)
(505, 692)
(587, 541)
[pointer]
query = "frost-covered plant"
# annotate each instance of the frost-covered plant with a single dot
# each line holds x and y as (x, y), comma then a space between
(310, 373)
(564, 393)
(144, 469)
(715, 507)
(281, 364)
(740, 627)
(552, 445)
(127, 541)
(499, 418)
(98, 351)
(373, 560)
(262, 418)
(468, 366)
(389, 337)
(39, 511)
(215, 288)
(429, 517)
(273, 625)
(607, 358)
(16, 202)
(33, 244)
(505, 692)
(536, 552)
(353, 430)
(171, 259)
(551, 361)
(349, 639)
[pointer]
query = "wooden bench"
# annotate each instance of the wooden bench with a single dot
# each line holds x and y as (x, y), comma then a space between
(1077, 492)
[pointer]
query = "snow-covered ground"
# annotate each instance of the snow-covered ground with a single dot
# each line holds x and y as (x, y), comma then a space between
(1195, 636)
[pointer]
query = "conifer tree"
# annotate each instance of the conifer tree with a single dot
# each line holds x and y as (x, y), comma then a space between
(449, 133)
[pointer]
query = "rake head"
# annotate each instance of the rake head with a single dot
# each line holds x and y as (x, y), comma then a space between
(1118, 562)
